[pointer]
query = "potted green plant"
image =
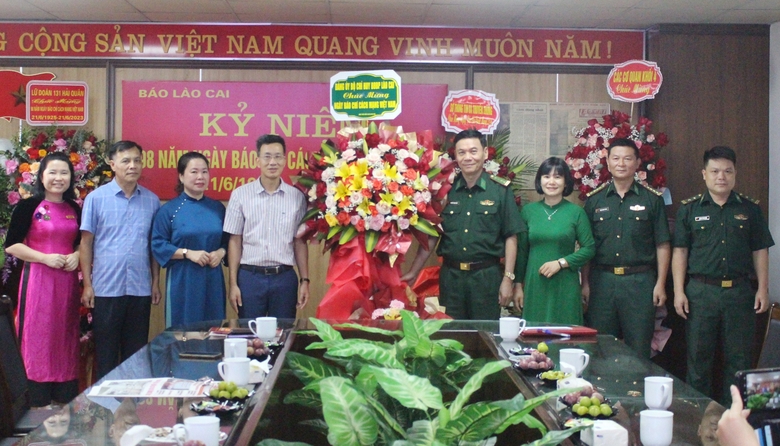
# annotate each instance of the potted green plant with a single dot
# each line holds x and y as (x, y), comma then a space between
(413, 391)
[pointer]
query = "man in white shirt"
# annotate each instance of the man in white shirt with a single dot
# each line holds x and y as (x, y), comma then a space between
(262, 219)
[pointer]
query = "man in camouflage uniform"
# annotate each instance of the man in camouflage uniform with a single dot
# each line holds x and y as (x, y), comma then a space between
(626, 279)
(481, 223)
(721, 239)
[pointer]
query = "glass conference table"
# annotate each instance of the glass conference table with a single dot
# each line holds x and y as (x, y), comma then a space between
(614, 370)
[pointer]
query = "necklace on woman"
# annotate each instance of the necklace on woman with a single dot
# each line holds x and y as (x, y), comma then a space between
(549, 215)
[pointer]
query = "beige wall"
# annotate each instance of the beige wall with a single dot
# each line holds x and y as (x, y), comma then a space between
(508, 87)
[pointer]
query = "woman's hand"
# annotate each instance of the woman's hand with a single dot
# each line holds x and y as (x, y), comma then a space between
(71, 261)
(550, 268)
(215, 257)
(202, 258)
(56, 261)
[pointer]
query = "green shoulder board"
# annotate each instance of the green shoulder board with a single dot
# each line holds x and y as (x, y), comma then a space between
(692, 199)
(598, 189)
(655, 191)
(752, 200)
(502, 181)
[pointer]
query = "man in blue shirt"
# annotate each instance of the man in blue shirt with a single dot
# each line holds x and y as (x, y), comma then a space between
(120, 275)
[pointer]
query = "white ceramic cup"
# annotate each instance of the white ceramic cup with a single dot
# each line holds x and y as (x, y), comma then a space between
(204, 429)
(658, 392)
(235, 347)
(509, 328)
(655, 427)
(264, 327)
(575, 357)
(235, 369)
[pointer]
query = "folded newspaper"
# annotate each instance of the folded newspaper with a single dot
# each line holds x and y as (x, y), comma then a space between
(155, 387)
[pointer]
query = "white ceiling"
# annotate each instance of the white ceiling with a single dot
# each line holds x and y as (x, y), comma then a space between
(607, 14)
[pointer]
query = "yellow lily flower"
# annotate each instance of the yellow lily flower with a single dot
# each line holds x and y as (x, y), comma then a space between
(391, 173)
(331, 220)
(341, 191)
(413, 219)
(404, 205)
(344, 171)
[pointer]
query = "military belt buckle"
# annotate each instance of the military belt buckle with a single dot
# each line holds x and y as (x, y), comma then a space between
(619, 270)
(726, 283)
(465, 267)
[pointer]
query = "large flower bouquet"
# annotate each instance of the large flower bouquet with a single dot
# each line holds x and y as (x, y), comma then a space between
(588, 158)
(369, 192)
(382, 184)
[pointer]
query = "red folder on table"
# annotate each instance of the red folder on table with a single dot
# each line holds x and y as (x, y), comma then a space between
(574, 330)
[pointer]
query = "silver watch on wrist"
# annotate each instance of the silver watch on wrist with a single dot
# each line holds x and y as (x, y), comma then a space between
(184, 252)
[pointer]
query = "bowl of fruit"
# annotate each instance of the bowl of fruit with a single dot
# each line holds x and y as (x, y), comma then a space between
(534, 362)
(551, 377)
(229, 392)
(588, 403)
(257, 349)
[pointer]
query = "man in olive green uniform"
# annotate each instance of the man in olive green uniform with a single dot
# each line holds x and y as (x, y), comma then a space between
(721, 239)
(481, 223)
(626, 279)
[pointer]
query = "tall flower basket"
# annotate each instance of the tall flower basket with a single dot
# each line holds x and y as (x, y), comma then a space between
(588, 158)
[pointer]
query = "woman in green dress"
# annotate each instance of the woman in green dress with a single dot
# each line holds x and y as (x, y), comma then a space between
(550, 282)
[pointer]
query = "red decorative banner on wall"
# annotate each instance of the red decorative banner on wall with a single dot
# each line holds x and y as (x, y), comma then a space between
(57, 103)
(634, 81)
(13, 92)
(319, 43)
(224, 119)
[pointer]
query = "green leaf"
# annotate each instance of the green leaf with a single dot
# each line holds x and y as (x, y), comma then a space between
(386, 419)
(327, 149)
(523, 407)
(318, 425)
(350, 420)
(308, 398)
(324, 330)
(272, 442)
(554, 438)
(426, 227)
(474, 383)
(369, 351)
(309, 369)
(372, 237)
(306, 181)
(411, 391)
(444, 417)
(438, 355)
(475, 422)
(449, 344)
(457, 359)
(347, 235)
(412, 327)
(370, 329)
(366, 380)
(422, 432)
(334, 230)
(311, 213)
(433, 172)
(431, 326)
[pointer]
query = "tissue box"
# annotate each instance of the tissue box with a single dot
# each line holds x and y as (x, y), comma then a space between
(605, 433)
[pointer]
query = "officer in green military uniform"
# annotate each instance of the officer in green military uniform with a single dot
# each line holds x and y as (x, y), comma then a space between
(721, 239)
(626, 279)
(481, 222)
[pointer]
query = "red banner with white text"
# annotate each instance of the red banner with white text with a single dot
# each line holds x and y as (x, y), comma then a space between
(319, 43)
(224, 119)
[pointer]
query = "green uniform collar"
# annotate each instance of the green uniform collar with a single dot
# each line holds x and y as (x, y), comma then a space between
(460, 182)
(633, 188)
(733, 198)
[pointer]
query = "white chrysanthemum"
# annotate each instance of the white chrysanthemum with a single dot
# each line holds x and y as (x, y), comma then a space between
(383, 208)
(400, 166)
(355, 144)
(492, 167)
(383, 147)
